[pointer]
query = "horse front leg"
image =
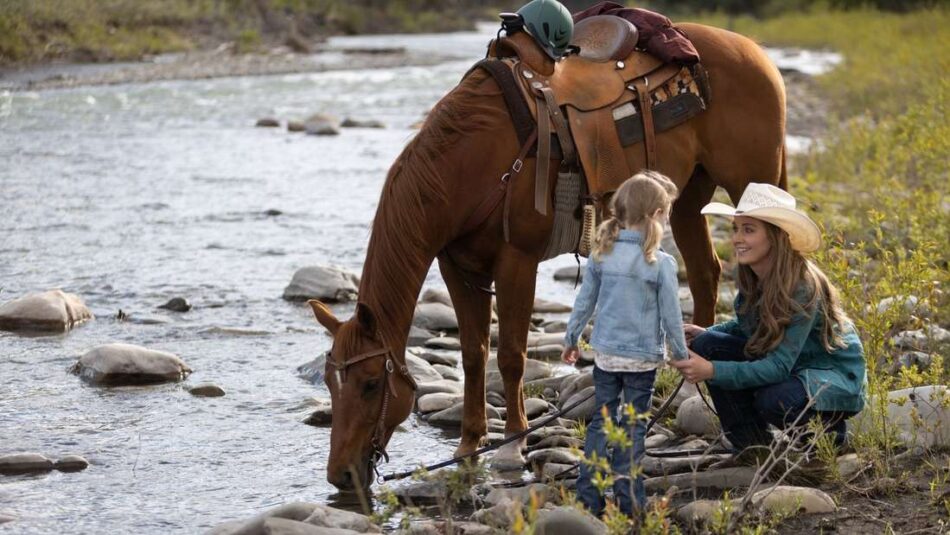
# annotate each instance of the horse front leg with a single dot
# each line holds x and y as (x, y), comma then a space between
(691, 233)
(515, 274)
(473, 309)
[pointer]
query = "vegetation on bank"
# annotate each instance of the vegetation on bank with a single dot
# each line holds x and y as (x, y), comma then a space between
(109, 30)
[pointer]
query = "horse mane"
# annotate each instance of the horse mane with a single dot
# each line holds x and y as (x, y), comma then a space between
(402, 244)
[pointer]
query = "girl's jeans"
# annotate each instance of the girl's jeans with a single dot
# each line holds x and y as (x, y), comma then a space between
(637, 388)
(745, 414)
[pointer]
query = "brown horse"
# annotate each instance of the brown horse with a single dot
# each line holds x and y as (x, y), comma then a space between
(463, 148)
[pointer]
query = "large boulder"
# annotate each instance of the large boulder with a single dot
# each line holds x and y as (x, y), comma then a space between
(24, 463)
(328, 284)
(321, 124)
(322, 518)
(127, 364)
(920, 415)
(54, 310)
(787, 500)
(567, 520)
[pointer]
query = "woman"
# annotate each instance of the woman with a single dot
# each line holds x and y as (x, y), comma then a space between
(791, 355)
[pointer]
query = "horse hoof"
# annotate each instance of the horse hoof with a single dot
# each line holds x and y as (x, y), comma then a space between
(507, 459)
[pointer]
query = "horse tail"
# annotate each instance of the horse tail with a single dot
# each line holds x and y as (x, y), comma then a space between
(783, 171)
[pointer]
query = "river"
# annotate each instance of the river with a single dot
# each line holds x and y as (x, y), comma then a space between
(129, 195)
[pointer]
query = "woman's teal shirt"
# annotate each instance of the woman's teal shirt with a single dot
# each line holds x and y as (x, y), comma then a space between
(836, 380)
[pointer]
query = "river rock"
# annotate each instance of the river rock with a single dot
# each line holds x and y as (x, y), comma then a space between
(421, 371)
(313, 371)
(331, 517)
(926, 338)
(585, 409)
(656, 441)
(787, 500)
(366, 123)
(444, 342)
(724, 478)
(686, 391)
(698, 512)
(7, 516)
(920, 415)
(437, 401)
(548, 352)
(435, 317)
(496, 399)
(296, 126)
(176, 304)
(559, 441)
(542, 306)
(54, 310)
(438, 358)
(24, 463)
(534, 407)
(850, 465)
(573, 384)
(914, 358)
(545, 339)
(422, 492)
(567, 520)
(442, 385)
(554, 326)
(284, 526)
(207, 391)
(322, 415)
(418, 336)
(908, 303)
(522, 495)
(328, 284)
(569, 273)
(657, 466)
(500, 515)
(127, 364)
(448, 372)
(71, 463)
(452, 417)
(556, 470)
(300, 512)
(267, 122)
(694, 418)
(321, 124)
(553, 455)
(538, 435)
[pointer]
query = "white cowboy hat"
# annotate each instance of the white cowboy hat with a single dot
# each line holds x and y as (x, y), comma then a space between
(776, 206)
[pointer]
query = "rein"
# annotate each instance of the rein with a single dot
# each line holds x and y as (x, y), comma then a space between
(389, 370)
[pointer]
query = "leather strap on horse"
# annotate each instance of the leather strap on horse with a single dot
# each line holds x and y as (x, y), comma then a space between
(517, 107)
(542, 167)
(646, 113)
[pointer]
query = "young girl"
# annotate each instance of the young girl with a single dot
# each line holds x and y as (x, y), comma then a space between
(633, 286)
(791, 355)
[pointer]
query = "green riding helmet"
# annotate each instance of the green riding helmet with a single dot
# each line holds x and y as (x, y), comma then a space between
(550, 23)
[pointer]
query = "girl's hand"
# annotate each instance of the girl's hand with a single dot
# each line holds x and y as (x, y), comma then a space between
(692, 331)
(570, 354)
(695, 369)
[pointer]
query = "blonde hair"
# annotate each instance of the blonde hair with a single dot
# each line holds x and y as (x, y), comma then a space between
(635, 202)
(774, 296)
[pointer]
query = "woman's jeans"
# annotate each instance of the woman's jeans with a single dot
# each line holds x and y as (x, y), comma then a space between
(637, 388)
(745, 414)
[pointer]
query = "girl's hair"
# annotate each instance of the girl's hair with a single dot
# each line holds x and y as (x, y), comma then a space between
(635, 201)
(774, 296)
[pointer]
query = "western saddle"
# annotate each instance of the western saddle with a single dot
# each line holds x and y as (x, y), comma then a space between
(588, 106)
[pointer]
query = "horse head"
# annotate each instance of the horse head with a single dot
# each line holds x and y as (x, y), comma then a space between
(371, 391)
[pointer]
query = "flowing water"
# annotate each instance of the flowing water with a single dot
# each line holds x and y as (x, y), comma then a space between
(129, 195)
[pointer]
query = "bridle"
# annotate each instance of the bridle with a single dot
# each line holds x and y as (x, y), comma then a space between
(389, 369)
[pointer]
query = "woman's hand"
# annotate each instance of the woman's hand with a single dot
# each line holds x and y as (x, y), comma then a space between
(570, 354)
(695, 369)
(692, 331)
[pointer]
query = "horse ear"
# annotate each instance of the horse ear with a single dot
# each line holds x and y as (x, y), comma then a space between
(324, 316)
(366, 318)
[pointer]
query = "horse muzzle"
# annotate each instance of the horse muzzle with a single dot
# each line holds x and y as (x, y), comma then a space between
(352, 477)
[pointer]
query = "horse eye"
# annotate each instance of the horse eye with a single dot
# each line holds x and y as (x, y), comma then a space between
(370, 387)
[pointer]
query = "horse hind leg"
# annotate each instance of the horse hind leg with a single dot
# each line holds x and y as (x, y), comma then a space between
(691, 233)
(473, 309)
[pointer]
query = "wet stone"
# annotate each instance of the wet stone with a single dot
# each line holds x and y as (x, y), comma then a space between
(328, 284)
(364, 123)
(437, 401)
(177, 304)
(442, 385)
(422, 492)
(444, 342)
(586, 407)
(534, 407)
(567, 520)
(267, 122)
(543, 306)
(207, 391)
(421, 371)
(787, 500)
(496, 399)
(448, 372)
(54, 311)
(559, 441)
(435, 317)
(24, 463)
(323, 414)
(439, 358)
(544, 493)
(71, 463)
(127, 364)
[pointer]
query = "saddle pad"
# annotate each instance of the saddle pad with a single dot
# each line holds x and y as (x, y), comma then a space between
(678, 100)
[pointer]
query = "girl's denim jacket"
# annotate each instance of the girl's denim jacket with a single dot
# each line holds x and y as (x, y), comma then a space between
(637, 303)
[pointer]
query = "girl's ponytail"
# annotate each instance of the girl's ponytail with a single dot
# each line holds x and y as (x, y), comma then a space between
(607, 234)
(652, 235)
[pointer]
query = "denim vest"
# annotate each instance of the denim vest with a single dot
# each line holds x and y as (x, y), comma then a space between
(637, 303)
